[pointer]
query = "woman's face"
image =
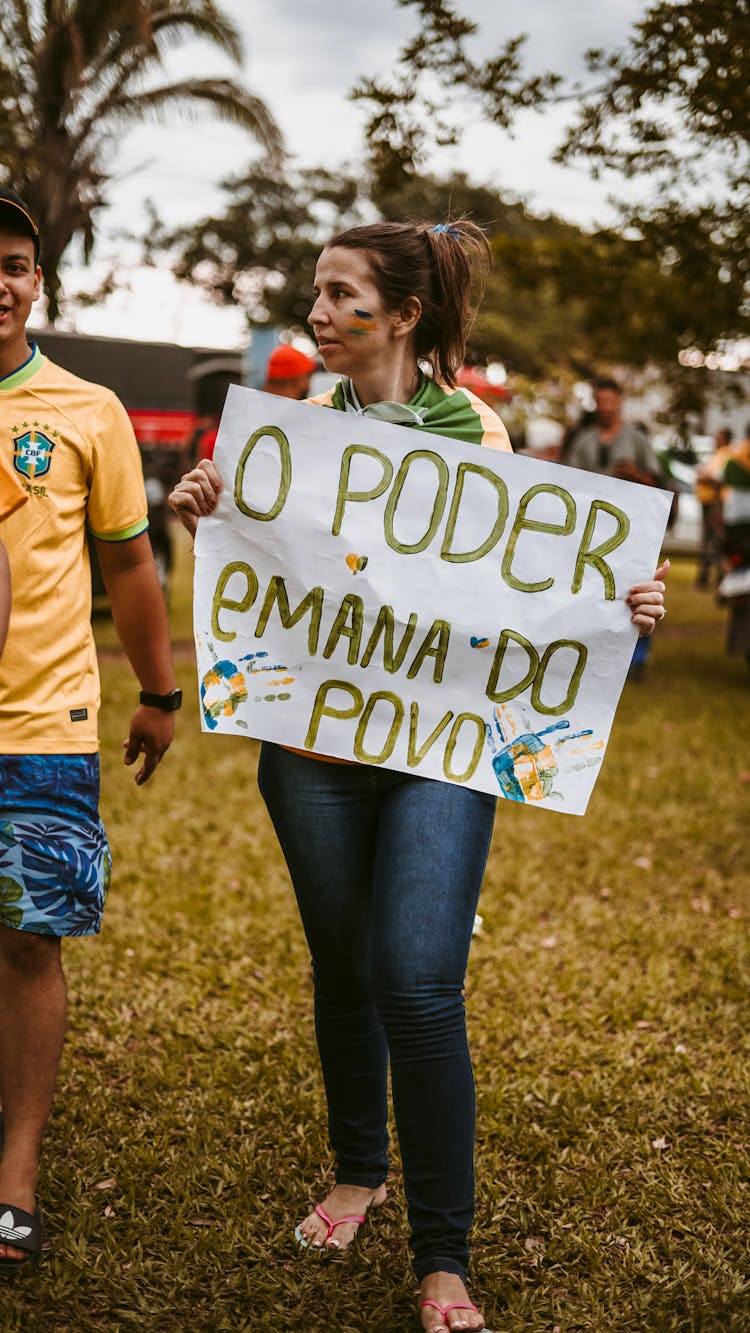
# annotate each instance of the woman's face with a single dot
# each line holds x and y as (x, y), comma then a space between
(352, 327)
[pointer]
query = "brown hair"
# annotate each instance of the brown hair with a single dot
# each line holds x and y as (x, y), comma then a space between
(601, 382)
(437, 264)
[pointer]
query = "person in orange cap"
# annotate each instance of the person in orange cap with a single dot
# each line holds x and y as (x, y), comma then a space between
(288, 372)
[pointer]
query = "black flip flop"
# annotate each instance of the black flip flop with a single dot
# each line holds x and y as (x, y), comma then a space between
(24, 1231)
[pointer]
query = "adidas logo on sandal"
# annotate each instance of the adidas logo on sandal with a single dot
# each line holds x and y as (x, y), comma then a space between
(8, 1231)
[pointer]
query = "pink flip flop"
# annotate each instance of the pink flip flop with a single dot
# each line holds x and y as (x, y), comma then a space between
(324, 1247)
(444, 1310)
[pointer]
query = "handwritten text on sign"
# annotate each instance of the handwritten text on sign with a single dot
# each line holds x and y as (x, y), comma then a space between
(389, 596)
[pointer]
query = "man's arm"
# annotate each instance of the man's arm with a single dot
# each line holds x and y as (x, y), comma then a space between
(575, 453)
(140, 617)
(647, 458)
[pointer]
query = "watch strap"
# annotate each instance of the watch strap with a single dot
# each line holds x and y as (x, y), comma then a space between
(168, 703)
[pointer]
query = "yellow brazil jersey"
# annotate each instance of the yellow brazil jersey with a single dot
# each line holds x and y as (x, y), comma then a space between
(71, 446)
(12, 493)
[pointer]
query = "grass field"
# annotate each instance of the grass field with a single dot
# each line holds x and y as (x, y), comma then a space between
(609, 1013)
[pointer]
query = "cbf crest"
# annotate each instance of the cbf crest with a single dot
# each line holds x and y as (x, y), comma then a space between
(32, 453)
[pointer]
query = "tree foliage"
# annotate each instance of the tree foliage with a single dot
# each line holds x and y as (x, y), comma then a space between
(560, 300)
(261, 252)
(675, 100)
(75, 74)
(673, 108)
(408, 114)
(565, 299)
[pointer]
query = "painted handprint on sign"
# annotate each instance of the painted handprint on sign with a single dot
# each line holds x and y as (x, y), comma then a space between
(258, 667)
(225, 686)
(525, 763)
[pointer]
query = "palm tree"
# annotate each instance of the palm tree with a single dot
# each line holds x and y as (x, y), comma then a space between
(75, 75)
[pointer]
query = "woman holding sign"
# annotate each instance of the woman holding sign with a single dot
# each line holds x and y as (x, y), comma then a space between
(387, 866)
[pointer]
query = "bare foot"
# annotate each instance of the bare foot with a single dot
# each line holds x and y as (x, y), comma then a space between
(448, 1291)
(343, 1201)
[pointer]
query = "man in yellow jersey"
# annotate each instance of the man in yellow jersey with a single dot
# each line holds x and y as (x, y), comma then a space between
(12, 496)
(71, 449)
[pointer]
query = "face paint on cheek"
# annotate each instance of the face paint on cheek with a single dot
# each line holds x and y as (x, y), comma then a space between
(364, 323)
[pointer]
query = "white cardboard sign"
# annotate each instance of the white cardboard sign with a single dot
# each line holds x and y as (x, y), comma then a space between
(394, 597)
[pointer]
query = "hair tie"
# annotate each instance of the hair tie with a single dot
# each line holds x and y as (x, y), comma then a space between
(443, 226)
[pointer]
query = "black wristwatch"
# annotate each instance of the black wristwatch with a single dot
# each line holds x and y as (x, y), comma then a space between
(168, 703)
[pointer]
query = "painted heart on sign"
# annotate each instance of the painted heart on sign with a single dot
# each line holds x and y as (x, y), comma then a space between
(356, 562)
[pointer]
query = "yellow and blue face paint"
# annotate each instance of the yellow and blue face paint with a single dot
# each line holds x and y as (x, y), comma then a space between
(364, 322)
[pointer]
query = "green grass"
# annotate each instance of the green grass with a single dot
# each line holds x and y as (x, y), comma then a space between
(608, 1003)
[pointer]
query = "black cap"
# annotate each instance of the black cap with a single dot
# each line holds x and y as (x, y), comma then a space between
(14, 213)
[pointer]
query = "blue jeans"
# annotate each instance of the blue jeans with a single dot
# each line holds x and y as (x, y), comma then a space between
(387, 869)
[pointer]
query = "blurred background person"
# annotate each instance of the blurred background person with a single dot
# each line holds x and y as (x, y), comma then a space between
(735, 476)
(586, 419)
(288, 372)
(615, 448)
(734, 589)
(609, 445)
(708, 493)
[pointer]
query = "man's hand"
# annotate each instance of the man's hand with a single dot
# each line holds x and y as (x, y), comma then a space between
(151, 734)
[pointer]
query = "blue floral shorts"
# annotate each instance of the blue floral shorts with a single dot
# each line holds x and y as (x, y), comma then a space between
(55, 861)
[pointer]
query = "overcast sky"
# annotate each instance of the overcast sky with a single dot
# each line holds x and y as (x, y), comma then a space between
(303, 59)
